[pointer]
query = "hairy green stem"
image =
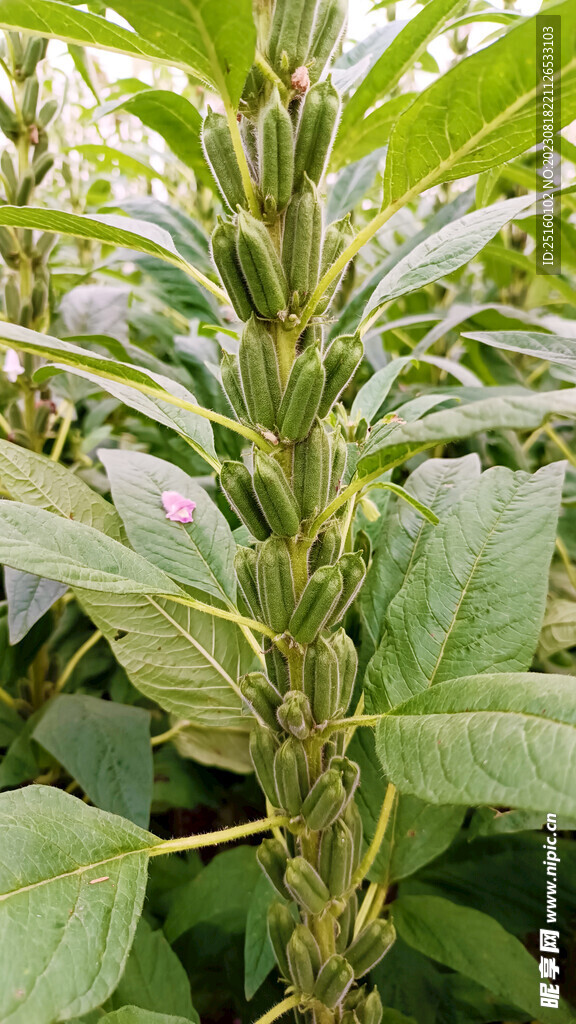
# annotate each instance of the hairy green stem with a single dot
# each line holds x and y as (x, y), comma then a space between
(225, 835)
(290, 1003)
(76, 657)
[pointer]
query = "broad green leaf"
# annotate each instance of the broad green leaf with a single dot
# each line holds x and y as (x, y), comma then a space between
(371, 133)
(486, 740)
(154, 978)
(258, 954)
(29, 598)
(559, 627)
(480, 114)
(136, 1015)
(32, 539)
(550, 347)
(216, 39)
(222, 748)
(475, 599)
(143, 390)
(79, 874)
(220, 895)
(186, 661)
(404, 534)
(391, 444)
(476, 945)
(440, 254)
(199, 554)
(105, 746)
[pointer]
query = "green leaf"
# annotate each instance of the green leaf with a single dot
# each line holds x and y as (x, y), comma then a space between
(440, 254)
(223, 748)
(477, 946)
(371, 133)
(479, 114)
(136, 1015)
(216, 39)
(56, 853)
(550, 347)
(220, 895)
(105, 746)
(29, 598)
(352, 184)
(393, 443)
(258, 954)
(559, 627)
(474, 601)
(506, 739)
(199, 554)
(34, 540)
(154, 978)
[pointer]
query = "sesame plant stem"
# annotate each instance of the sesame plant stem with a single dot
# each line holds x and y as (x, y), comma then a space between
(279, 1010)
(381, 826)
(225, 835)
(76, 657)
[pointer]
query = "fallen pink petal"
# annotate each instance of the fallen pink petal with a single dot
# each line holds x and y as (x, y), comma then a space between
(12, 366)
(178, 508)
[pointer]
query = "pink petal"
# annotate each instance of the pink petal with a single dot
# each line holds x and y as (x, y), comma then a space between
(178, 508)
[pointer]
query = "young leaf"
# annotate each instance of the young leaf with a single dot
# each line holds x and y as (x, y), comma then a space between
(80, 875)
(105, 746)
(474, 601)
(29, 598)
(542, 346)
(486, 740)
(154, 978)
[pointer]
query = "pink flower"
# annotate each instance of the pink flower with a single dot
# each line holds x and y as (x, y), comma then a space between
(178, 508)
(12, 366)
(300, 80)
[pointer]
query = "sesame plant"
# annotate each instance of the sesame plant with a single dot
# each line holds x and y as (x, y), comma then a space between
(349, 602)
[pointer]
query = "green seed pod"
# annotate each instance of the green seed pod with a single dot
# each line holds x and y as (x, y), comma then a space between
(281, 924)
(311, 471)
(346, 922)
(339, 459)
(259, 374)
(325, 800)
(306, 886)
(304, 958)
(276, 150)
(372, 1010)
(12, 300)
(321, 681)
(316, 131)
(291, 775)
(225, 257)
(261, 267)
(272, 858)
(353, 571)
(335, 858)
(245, 566)
(220, 155)
(311, 335)
(355, 1000)
(349, 773)
(39, 298)
(327, 548)
(290, 33)
(45, 244)
(237, 485)
(302, 396)
(275, 583)
(341, 360)
(27, 240)
(337, 238)
(25, 188)
(30, 100)
(9, 248)
(230, 374)
(370, 946)
(9, 123)
(295, 714)
(261, 697)
(275, 496)
(9, 174)
(316, 603)
(33, 53)
(353, 819)
(41, 417)
(26, 314)
(277, 670)
(302, 241)
(333, 982)
(328, 28)
(42, 167)
(263, 747)
(47, 112)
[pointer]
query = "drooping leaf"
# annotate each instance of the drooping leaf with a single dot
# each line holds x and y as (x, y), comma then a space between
(79, 874)
(220, 895)
(550, 347)
(154, 978)
(559, 627)
(29, 598)
(223, 748)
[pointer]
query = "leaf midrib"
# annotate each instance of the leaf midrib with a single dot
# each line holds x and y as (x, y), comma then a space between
(77, 871)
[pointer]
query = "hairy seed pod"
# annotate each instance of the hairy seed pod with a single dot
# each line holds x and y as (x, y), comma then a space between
(237, 485)
(281, 924)
(26, 314)
(220, 155)
(326, 549)
(333, 982)
(275, 496)
(47, 112)
(302, 242)
(45, 244)
(225, 256)
(30, 100)
(39, 298)
(339, 459)
(272, 858)
(311, 471)
(25, 188)
(33, 53)
(263, 748)
(349, 773)
(261, 267)
(42, 166)
(320, 680)
(353, 819)
(259, 374)
(290, 33)
(335, 858)
(9, 173)
(337, 238)
(328, 28)
(370, 946)
(232, 385)
(291, 775)
(372, 1011)
(12, 300)
(311, 335)
(302, 396)
(346, 922)
(295, 714)
(316, 603)
(316, 131)
(9, 248)
(9, 123)
(276, 152)
(325, 801)
(275, 583)
(304, 958)
(261, 698)
(353, 571)
(341, 360)
(245, 567)
(306, 886)
(277, 670)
